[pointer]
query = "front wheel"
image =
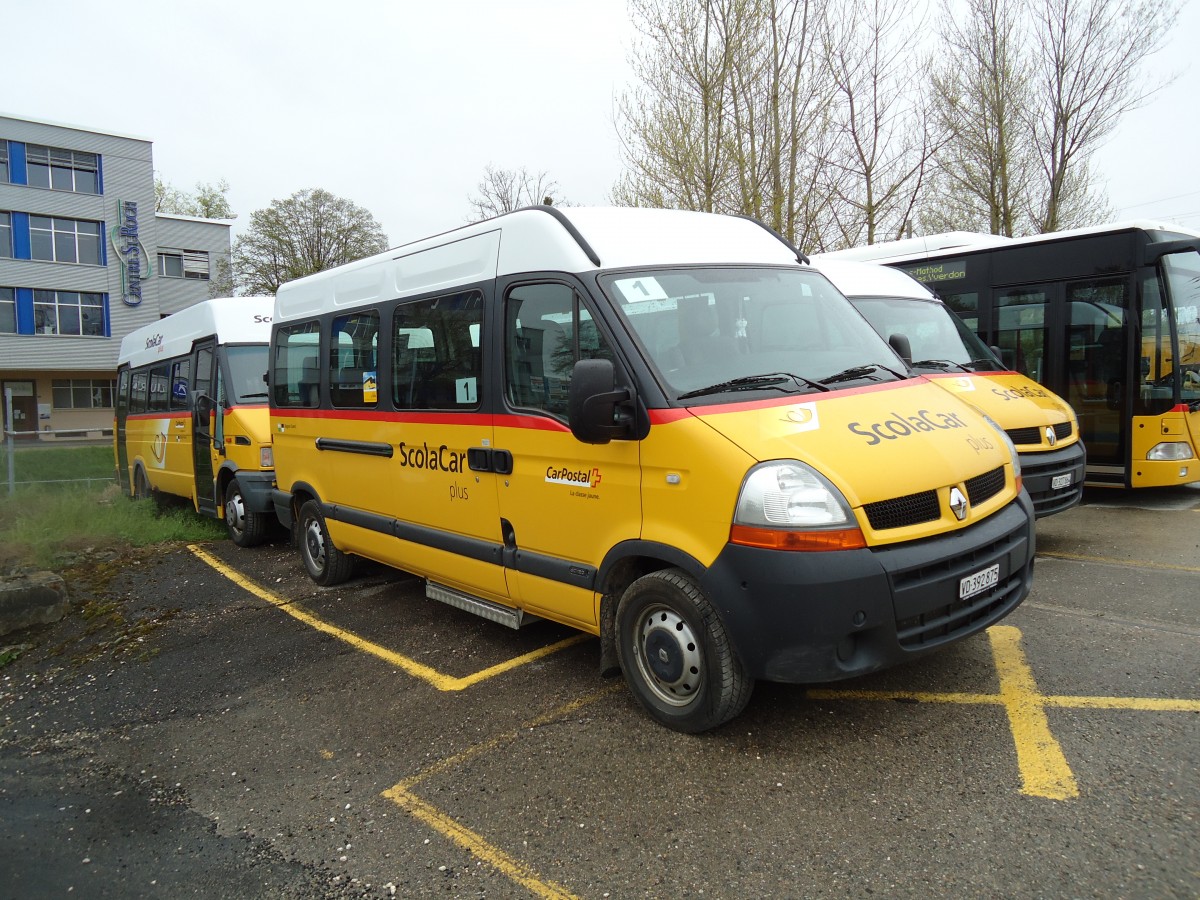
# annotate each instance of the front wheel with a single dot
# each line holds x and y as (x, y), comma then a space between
(246, 528)
(676, 655)
(326, 564)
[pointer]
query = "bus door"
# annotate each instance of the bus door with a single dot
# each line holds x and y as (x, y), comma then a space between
(122, 413)
(565, 503)
(1099, 382)
(206, 414)
(1181, 278)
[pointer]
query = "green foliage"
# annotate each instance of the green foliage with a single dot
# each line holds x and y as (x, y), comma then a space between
(42, 462)
(209, 201)
(310, 231)
(49, 526)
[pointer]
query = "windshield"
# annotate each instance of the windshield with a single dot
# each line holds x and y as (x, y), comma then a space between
(1182, 272)
(712, 331)
(247, 373)
(939, 339)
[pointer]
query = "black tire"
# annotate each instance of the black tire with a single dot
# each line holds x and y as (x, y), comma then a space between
(246, 528)
(326, 564)
(141, 485)
(676, 656)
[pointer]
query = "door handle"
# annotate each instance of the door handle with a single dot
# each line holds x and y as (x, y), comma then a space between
(488, 459)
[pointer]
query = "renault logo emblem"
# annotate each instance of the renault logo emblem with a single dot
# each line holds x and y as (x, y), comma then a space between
(958, 504)
(1051, 437)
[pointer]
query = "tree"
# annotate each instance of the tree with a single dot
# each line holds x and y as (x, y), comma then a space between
(503, 190)
(1088, 56)
(977, 94)
(310, 231)
(209, 202)
(1032, 88)
(885, 140)
(732, 111)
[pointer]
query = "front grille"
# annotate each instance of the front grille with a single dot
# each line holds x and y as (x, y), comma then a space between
(898, 512)
(984, 487)
(938, 623)
(1033, 435)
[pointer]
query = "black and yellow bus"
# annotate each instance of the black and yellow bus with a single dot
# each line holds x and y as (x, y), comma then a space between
(1107, 317)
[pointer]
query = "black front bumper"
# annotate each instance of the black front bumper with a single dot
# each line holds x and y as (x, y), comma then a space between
(1038, 471)
(815, 617)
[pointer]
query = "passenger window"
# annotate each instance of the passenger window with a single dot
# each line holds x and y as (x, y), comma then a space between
(353, 346)
(137, 392)
(436, 352)
(159, 389)
(296, 379)
(546, 331)
(180, 381)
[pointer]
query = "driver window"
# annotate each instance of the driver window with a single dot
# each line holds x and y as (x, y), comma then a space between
(546, 331)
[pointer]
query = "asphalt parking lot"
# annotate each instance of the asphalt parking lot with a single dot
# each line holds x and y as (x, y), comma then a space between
(228, 729)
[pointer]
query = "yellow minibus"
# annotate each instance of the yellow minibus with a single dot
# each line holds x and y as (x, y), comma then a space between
(1107, 317)
(663, 428)
(191, 413)
(936, 343)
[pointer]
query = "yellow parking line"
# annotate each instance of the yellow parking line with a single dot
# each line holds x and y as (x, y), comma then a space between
(1147, 704)
(1044, 769)
(1110, 560)
(469, 840)
(418, 670)
(402, 795)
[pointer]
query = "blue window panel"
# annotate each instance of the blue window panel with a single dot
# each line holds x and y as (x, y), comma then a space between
(16, 168)
(99, 176)
(20, 230)
(104, 244)
(24, 310)
(107, 317)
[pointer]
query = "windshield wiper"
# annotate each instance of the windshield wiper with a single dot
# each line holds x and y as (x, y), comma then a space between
(856, 372)
(250, 396)
(755, 382)
(942, 364)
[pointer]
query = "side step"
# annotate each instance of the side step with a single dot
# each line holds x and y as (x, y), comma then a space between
(493, 612)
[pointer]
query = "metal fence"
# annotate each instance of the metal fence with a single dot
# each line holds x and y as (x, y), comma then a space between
(28, 438)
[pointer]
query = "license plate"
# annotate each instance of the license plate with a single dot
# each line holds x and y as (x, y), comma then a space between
(1060, 481)
(979, 582)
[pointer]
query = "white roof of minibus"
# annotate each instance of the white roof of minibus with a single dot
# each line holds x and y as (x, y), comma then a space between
(534, 240)
(921, 247)
(868, 279)
(234, 320)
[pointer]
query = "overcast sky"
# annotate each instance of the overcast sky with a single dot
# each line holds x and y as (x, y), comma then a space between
(399, 106)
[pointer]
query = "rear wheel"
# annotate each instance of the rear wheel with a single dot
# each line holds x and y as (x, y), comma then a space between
(246, 528)
(676, 655)
(326, 564)
(141, 484)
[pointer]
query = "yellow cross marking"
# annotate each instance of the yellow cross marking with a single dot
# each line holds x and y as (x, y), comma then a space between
(1043, 767)
(426, 673)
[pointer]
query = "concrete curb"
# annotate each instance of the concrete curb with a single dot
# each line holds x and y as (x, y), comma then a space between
(39, 598)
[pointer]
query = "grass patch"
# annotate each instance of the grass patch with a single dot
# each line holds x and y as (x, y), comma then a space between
(47, 527)
(45, 462)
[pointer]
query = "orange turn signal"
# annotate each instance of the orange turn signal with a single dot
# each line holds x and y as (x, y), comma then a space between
(772, 539)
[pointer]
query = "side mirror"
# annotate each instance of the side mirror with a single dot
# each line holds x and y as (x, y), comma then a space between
(592, 402)
(903, 347)
(204, 406)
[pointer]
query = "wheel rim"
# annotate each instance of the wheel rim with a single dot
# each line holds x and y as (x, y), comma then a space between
(668, 656)
(235, 513)
(314, 544)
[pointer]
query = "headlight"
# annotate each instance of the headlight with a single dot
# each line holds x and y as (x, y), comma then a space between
(1170, 451)
(1012, 448)
(790, 494)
